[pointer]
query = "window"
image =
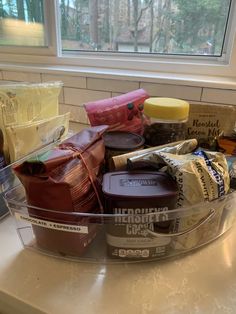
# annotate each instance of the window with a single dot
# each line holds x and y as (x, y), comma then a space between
(22, 23)
(177, 36)
(146, 26)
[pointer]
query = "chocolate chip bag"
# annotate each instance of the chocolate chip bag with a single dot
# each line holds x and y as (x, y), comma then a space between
(65, 180)
(201, 176)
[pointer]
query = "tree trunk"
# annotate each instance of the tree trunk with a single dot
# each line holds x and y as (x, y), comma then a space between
(77, 20)
(128, 13)
(151, 26)
(167, 28)
(107, 21)
(20, 10)
(2, 12)
(63, 19)
(10, 6)
(135, 18)
(93, 25)
(115, 25)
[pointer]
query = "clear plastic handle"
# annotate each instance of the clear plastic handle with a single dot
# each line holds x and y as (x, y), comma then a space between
(201, 222)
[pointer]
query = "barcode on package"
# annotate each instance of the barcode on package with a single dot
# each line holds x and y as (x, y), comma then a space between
(52, 225)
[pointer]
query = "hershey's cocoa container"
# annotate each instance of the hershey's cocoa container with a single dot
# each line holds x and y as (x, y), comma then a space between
(120, 142)
(140, 202)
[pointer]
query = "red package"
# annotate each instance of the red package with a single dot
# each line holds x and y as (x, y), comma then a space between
(61, 182)
(120, 113)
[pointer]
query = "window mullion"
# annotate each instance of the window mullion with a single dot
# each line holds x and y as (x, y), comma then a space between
(52, 27)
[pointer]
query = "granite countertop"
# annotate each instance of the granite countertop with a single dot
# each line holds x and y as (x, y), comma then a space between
(201, 282)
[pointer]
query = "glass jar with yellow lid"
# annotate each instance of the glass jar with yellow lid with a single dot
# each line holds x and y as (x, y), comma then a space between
(168, 117)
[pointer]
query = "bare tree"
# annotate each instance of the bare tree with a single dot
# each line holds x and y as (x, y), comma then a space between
(106, 21)
(35, 10)
(128, 12)
(93, 25)
(167, 27)
(151, 25)
(115, 24)
(20, 9)
(11, 7)
(135, 18)
(137, 15)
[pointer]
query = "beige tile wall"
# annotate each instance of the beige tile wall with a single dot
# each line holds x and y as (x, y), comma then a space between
(78, 90)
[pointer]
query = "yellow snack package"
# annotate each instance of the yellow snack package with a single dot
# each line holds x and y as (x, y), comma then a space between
(26, 138)
(22, 103)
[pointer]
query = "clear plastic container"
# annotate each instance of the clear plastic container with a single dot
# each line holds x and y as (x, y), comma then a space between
(66, 234)
(168, 117)
(84, 236)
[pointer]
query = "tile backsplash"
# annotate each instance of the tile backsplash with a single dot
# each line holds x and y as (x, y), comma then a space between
(78, 90)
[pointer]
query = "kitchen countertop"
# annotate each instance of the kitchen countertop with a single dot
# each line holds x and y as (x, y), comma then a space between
(201, 282)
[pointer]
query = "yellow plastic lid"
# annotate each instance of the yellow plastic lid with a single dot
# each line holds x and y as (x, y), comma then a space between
(162, 108)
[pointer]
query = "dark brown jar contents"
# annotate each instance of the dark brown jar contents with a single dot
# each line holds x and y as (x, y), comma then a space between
(120, 142)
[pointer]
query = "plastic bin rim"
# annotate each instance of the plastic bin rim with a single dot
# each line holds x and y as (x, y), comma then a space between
(171, 212)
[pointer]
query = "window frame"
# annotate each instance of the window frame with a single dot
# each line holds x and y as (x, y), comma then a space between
(51, 41)
(102, 61)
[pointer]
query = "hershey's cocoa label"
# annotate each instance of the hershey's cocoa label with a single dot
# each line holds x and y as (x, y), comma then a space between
(137, 220)
(132, 233)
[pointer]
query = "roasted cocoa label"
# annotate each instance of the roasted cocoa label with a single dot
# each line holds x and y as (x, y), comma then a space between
(209, 121)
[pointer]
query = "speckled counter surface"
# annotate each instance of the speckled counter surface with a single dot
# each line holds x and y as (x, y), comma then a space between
(201, 282)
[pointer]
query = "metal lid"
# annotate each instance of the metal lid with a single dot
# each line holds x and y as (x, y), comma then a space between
(138, 184)
(121, 140)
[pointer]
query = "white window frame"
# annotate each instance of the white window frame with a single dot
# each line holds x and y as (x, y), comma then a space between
(185, 65)
(51, 40)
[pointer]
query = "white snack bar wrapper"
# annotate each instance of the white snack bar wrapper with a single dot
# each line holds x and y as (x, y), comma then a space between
(201, 176)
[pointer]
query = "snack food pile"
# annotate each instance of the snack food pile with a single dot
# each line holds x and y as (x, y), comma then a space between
(29, 121)
(142, 188)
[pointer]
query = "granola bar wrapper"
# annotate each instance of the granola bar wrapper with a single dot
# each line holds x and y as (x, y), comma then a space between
(65, 180)
(201, 176)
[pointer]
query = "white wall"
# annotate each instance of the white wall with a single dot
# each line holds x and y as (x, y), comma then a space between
(78, 90)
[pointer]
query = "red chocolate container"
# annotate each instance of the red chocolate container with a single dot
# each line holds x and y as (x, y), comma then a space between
(140, 202)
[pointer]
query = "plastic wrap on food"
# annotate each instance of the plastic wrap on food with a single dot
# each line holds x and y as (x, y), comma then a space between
(153, 159)
(120, 162)
(65, 179)
(201, 176)
(22, 103)
(120, 113)
(26, 138)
